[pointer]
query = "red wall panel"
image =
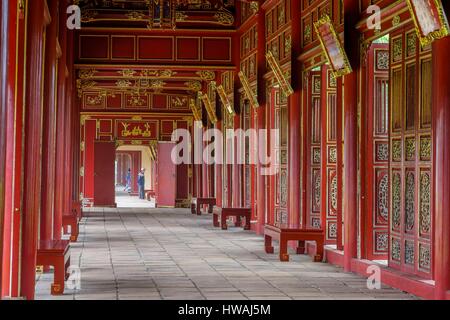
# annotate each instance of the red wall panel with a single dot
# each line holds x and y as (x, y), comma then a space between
(155, 48)
(188, 48)
(94, 47)
(159, 102)
(123, 47)
(216, 49)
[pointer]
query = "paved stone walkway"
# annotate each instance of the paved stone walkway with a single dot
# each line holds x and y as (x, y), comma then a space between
(171, 254)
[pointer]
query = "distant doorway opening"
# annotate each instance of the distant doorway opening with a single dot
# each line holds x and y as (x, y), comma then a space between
(130, 160)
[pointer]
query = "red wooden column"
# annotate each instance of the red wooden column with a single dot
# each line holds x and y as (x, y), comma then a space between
(32, 146)
(68, 123)
(261, 120)
(60, 114)
(11, 272)
(237, 181)
(340, 163)
(4, 46)
(7, 129)
(351, 15)
(49, 132)
(441, 165)
(204, 168)
(294, 120)
(218, 171)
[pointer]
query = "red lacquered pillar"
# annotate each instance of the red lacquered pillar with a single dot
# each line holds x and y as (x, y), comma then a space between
(32, 146)
(218, 170)
(71, 109)
(60, 115)
(261, 121)
(204, 168)
(49, 133)
(351, 15)
(4, 121)
(237, 167)
(340, 161)
(294, 120)
(441, 165)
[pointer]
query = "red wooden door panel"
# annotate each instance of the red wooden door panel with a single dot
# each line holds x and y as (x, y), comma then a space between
(410, 135)
(104, 173)
(167, 176)
(377, 154)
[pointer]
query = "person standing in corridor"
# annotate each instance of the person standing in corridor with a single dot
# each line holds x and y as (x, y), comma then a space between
(141, 183)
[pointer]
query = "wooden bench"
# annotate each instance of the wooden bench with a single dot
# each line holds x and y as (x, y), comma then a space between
(220, 216)
(71, 219)
(284, 235)
(196, 205)
(55, 253)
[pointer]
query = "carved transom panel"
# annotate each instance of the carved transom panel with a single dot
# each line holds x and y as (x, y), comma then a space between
(396, 150)
(382, 60)
(381, 242)
(396, 200)
(409, 200)
(332, 230)
(332, 154)
(382, 197)
(424, 256)
(425, 202)
(410, 149)
(317, 190)
(425, 148)
(316, 155)
(409, 252)
(333, 193)
(395, 249)
(382, 152)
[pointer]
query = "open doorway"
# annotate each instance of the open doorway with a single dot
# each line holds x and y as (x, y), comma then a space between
(135, 177)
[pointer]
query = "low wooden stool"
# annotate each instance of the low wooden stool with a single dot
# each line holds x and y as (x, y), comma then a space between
(55, 253)
(196, 205)
(220, 216)
(284, 234)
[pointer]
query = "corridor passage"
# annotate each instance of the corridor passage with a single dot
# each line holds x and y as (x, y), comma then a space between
(171, 254)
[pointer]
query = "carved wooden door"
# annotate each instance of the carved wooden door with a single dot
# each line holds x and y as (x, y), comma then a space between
(329, 185)
(279, 181)
(377, 153)
(247, 181)
(411, 154)
(313, 138)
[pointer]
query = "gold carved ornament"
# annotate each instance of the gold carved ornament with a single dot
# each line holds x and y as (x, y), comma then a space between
(281, 79)
(338, 70)
(248, 90)
(209, 108)
(206, 75)
(443, 31)
(224, 17)
(197, 113)
(136, 131)
(225, 101)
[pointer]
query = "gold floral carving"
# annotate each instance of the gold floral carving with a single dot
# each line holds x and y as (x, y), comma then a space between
(88, 15)
(135, 15)
(193, 85)
(206, 75)
(86, 73)
(224, 17)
